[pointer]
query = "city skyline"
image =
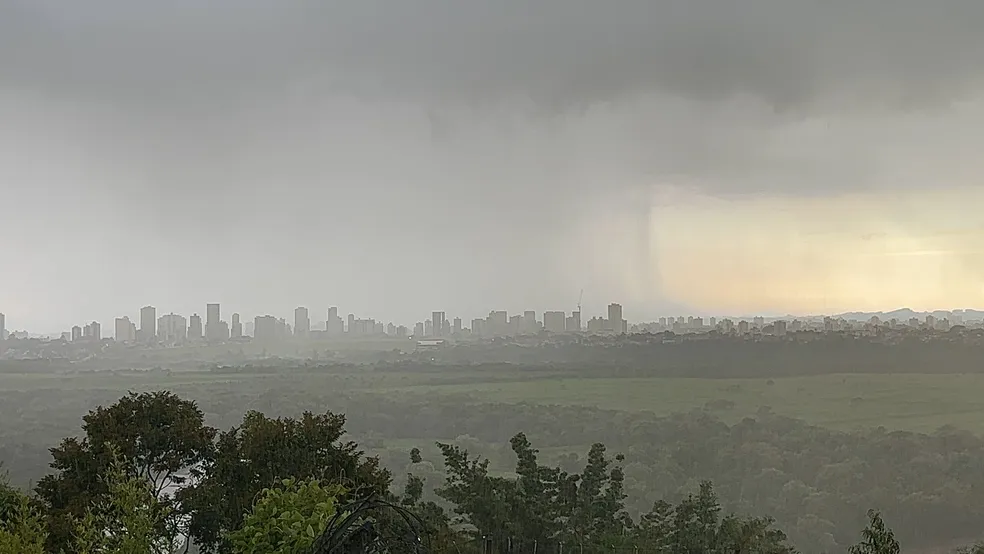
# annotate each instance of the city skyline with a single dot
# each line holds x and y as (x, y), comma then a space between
(817, 181)
(194, 325)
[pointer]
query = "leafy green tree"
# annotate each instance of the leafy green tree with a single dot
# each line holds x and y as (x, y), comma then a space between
(128, 519)
(544, 505)
(22, 526)
(260, 453)
(155, 435)
(694, 526)
(876, 537)
(287, 519)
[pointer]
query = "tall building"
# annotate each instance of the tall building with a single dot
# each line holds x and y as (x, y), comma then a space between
(212, 321)
(172, 328)
(574, 322)
(265, 328)
(530, 324)
(95, 331)
(3, 327)
(456, 329)
(334, 325)
(478, 326)
(302, 322)
(195, 327)
(125, 330)
(351, 324)
(148, 323)
(418, 330)
(554, 322)
(615, 321)
(437, 323)
(237, 327)
(497, 323)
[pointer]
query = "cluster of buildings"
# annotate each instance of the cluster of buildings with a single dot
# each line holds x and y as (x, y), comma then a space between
(779, 327)
(172, 329)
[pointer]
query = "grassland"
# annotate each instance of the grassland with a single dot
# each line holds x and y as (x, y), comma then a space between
(906, 401)
(911, 402)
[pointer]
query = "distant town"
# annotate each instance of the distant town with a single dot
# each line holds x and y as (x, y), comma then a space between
(176, 330)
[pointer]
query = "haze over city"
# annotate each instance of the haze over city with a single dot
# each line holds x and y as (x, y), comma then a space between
(814, 158)
(491, 277)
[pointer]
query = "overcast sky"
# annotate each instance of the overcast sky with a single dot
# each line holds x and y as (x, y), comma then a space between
(394, 157)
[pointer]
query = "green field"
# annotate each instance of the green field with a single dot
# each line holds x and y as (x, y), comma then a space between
(910, 402)
(904, 401)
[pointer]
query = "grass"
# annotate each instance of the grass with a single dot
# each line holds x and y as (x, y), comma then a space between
(905, 401)
(911, 401)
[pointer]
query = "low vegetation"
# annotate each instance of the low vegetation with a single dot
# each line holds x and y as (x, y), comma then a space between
(275, 485)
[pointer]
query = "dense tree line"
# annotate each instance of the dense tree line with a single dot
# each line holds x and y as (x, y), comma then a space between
(718, 356)
(276, 485)
(817, 483)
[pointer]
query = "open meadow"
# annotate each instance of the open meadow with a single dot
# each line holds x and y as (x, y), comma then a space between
(913, 402)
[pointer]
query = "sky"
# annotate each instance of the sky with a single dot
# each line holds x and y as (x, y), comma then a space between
(394, 157)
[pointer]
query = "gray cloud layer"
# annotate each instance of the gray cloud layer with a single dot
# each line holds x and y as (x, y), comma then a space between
(422, 141)
(788, 53)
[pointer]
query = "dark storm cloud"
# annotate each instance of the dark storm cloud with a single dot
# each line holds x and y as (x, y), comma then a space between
(789, 53)
(480, 154)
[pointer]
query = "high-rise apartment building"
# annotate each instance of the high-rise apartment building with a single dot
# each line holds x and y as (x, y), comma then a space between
(3, 327)
(615, 321)
(437, 323)
(237, 327)
(574, 322)
(530, 324)
(265, 328)
(172, 329)
(124, 330)
(148, 323)
(497, 323)
(418, 330)
(76, 333)
(456, 328)
(334, 325)
(213, 331)
(195, 331)
(302, 322)
(478, 327)
(554, 322)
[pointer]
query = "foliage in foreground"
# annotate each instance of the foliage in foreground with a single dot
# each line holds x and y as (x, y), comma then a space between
(22, 526)
(128, 519)
(287, 520)
(272, 485)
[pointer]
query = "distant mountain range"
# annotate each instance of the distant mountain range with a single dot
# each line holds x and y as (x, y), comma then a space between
(904, 314)
(901, 314)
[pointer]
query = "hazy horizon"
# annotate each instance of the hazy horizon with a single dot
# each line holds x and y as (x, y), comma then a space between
(393, 158)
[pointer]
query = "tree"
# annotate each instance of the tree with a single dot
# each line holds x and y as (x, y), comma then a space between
(876, 538)
(287, 519)
(260, 453)
(544, 505)
(128, 519)
(22, 527)
(153, 435)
